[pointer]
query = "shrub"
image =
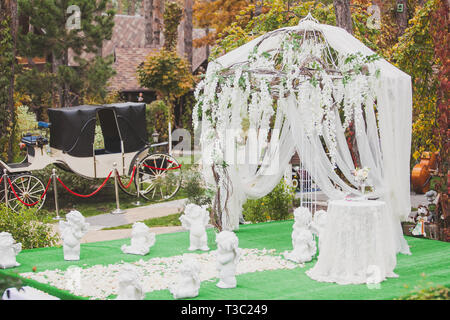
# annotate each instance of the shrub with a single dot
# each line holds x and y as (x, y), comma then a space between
(9, 282)
(273, 206)
(427, 291)
(195, 189)
(157, 120)
(27, 228)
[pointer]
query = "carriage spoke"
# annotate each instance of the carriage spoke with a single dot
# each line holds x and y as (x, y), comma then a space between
(161, 182)
(17, 203)
(17, 188)
(151, 170)
(29, 190)
(32, 188)
(37, 191)
(23, 184)
(149, 188)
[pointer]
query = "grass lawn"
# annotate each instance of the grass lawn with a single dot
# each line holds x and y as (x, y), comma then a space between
(427, 265)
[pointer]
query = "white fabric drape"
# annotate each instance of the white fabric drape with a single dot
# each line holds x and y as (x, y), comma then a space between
(384, 147)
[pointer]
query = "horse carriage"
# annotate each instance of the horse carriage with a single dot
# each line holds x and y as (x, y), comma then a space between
(156, 176)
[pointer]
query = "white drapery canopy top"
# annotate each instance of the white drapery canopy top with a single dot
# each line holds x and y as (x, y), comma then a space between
(383, 135)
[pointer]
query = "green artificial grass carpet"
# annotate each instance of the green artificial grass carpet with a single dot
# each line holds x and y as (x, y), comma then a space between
(429, 257)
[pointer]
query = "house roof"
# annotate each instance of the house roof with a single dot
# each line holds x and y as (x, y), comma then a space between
(127, 61)
(128, 46)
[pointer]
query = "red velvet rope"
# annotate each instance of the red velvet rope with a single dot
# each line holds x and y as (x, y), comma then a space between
(87, 195)
(1, 179)
(34, 203)
(129, 183)
(162, 169)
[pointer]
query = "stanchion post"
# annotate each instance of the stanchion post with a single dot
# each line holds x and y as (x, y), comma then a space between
(55, 191)
(116, 189)
(138, 185)
(5, 185)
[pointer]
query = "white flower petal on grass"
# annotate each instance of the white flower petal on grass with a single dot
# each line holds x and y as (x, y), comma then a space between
(99, 282)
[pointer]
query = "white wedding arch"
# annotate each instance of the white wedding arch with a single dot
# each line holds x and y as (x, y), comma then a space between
(298, 89)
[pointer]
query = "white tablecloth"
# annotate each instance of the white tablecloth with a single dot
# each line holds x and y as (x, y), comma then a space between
(357, 245)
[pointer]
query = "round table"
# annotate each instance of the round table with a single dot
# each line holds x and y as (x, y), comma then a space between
(357, 244)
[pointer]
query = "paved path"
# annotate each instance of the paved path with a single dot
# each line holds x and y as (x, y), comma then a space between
(132, 215)
(107, 220)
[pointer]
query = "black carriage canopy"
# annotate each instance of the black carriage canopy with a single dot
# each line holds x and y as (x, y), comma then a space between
(73, 128)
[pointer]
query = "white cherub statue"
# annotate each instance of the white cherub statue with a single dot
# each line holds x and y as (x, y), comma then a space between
(318, 225)
(228, 255)
(130, 287)
(304, 246)
(195, 219)
(71, 233)
(9, 249)
(189, 282)
(141, 240)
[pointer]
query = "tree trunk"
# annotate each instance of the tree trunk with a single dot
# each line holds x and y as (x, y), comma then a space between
(258, 7)
(11, 107)
(132, 8)
(148, 15)
(58, 88)
(343, 14)
(157, 21)
(188, 27)
(401, 17)
(207, 44)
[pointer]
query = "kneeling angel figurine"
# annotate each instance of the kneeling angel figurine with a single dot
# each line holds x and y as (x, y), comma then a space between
(9, 249)
(141, 240)
(228, 255)
(71, 232)
(189, 282)
(304, 246)
(130, 287)
(195, 219)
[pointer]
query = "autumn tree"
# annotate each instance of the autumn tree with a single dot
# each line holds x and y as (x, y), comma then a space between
(247, 26)
(216, 16)
(172, 17)
(414, 54)
(8, 34)
(441, 41)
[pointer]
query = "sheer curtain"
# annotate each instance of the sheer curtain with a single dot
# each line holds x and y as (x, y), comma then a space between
(249, 179)
(383, 145)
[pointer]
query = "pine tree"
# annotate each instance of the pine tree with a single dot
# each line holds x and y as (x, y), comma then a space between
(56, 30)
(8, 32)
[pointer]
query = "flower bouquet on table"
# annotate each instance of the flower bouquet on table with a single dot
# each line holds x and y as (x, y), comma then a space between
(361, 175)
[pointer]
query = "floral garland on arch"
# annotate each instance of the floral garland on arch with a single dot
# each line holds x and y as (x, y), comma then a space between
(245, 95)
